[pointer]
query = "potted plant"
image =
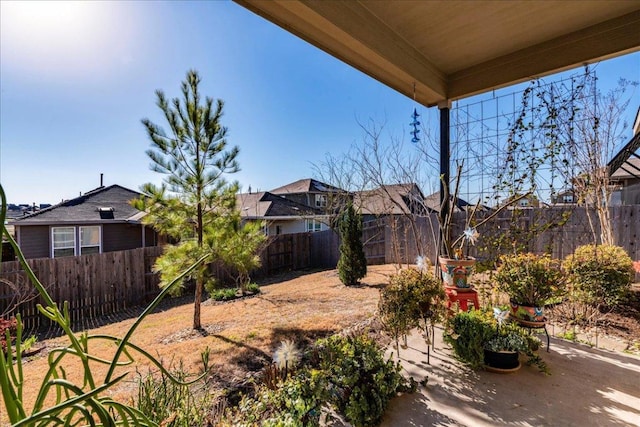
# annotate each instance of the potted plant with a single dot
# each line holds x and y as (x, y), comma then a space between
(529, 280)
(455, 263)
(485, 340)
(501, 352)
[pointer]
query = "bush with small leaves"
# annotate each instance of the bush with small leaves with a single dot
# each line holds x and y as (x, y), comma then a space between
(411, 296)
(599, 275)
(360, 381)
(294, 402)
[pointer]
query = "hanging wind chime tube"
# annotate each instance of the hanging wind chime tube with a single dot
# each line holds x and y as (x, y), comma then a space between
(415, 123)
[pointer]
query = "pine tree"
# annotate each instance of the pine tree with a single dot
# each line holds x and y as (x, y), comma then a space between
(352, 265)
(195, 205)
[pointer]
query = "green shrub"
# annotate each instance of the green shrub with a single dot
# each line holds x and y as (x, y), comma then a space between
(225, 294)
(410, 297)
(211, 285)
(352, 264)
(599, 275)
(253, 288)
(360, 382)
(294, 402)
(530, 279)
(467, 332)
(349, 374)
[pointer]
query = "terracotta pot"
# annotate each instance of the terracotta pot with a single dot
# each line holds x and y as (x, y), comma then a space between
(501, 360)
(527, 314)
(455, 272)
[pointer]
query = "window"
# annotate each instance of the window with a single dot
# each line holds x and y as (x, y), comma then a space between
(567, 198)
(524, 203)
(278, 230)
(313, 225)
(64, 241)
(321, 200)
(90, 240)
(70, 241)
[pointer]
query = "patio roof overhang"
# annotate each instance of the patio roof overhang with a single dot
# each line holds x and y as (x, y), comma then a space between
(621, 160)
(441, 51)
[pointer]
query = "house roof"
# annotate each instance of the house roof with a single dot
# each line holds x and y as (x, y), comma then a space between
(441, 50)
(267, 205)
(398, 199)
(307, 185)
(395, 199)
(103, 204)
(432, 201)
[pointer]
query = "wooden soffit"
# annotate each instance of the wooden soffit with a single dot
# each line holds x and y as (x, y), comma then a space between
(455, 49)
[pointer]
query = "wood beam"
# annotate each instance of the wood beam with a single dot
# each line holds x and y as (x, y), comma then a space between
(611, 38)
(349, 32)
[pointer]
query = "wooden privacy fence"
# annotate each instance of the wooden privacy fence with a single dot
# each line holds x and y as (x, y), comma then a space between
(285, 252)
(94, 285)
(109, 283)
(324, 249)
(395, 239)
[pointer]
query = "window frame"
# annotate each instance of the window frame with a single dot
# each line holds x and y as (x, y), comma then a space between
(53, 241)
(321, 200)
(313, 225)
(77, 240)
(80, 245)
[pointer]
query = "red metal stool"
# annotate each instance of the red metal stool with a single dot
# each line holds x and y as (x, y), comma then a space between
(463, 298)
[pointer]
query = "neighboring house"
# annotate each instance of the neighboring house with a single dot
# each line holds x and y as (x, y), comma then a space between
(391, 200)
(399, 199)
(299, 207)
(564, 197)
(101, 220)
(531, 201)
(624, 171)
(310, 192)
(626, 181)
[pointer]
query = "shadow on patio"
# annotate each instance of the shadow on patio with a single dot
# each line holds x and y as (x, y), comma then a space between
(586, 387)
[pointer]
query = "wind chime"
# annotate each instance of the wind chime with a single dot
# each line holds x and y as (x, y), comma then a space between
(415, 123)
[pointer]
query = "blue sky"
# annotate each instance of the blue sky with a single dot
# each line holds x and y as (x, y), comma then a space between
(76, 79)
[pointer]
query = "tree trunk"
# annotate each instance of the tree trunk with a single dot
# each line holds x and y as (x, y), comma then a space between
(196, 306)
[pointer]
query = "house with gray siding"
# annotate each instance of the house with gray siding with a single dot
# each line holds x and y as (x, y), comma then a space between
(298, 207)
(101, 220)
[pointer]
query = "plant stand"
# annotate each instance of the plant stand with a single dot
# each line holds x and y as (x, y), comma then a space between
(462, 298)
(534, 325)
(429, 335)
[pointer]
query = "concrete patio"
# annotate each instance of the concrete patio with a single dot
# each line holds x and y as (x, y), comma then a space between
(587, 387)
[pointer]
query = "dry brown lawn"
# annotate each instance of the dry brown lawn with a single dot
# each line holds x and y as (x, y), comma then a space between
(241, 334)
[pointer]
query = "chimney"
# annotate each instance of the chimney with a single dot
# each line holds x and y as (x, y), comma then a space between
(101, 180)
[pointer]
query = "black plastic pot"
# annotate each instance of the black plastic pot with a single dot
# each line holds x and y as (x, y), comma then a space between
(506, 360)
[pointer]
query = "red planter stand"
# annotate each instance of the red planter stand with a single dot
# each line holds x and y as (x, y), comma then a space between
(462, 298)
